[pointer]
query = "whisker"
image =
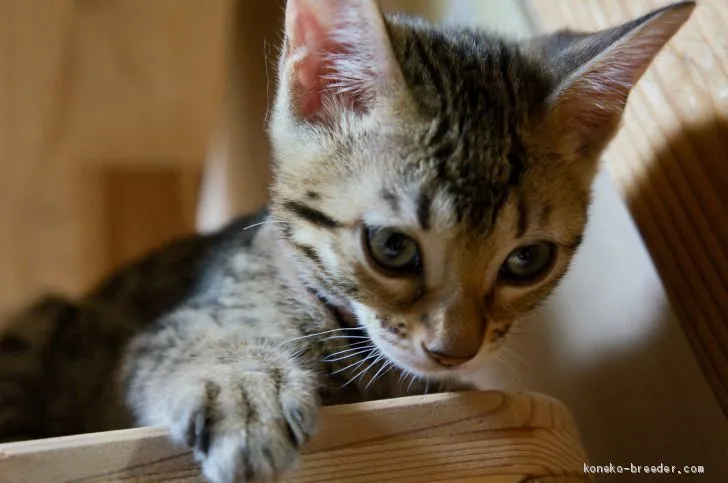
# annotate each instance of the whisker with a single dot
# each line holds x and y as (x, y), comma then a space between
(387, 365)
(511, 343)
(356, 364)
(347, 337)
(376, 361)
(299, 352)
(412, 381)
(516, 354)
(351, 349)
(361, 373)
(327, 358)
(515, 373)
(266, 222)
(360, 343)
(316, 334)
(402, 375)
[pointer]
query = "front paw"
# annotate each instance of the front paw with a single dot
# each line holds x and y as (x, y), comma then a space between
(246, 425)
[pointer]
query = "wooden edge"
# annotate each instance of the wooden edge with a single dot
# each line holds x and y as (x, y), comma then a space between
(458, 436)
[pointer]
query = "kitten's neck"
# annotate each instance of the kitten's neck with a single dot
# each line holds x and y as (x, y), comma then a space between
(270, 240)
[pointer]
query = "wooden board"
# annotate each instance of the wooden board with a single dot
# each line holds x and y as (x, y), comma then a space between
(670, 162)
(491, 437)
(97, 97)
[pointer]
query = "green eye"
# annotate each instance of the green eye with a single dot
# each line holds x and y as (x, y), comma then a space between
(527, 263)
(392, 250)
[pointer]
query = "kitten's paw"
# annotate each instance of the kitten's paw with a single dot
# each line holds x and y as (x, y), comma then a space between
(247, 426)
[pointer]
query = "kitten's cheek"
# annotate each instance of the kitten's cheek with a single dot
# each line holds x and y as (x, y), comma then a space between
(407, 355)
(404, 352)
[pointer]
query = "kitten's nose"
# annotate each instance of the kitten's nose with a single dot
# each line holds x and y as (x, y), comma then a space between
(447, 360)
(455, 331)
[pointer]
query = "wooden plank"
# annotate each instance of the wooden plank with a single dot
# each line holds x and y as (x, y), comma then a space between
(87, 87)
(670, 162)
(145, 207)
(475, 436)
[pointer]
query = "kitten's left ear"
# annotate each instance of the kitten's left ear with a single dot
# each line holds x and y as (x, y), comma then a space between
(595, 74)
(337, 57)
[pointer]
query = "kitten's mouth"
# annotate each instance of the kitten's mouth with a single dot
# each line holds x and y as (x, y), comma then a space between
(345, 317)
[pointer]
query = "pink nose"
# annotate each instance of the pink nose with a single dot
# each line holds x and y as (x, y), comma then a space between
(447, 360)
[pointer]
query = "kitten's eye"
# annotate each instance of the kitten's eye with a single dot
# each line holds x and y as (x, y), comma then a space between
(526, 263)
(392, 249)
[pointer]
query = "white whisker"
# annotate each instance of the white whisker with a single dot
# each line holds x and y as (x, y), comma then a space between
(412, 381)
(387, 365)
(266, 222)
(360, 343)
(515, 354)
(402, 377)
(314, 335)
(331, 358)
(361, 373)
(347, 337)
(350, 349)
(356, 364)
(515, 373)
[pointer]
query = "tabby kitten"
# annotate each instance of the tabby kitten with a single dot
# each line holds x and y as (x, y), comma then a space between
(431, 187)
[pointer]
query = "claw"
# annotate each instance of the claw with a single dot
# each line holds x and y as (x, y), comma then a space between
(202, 432)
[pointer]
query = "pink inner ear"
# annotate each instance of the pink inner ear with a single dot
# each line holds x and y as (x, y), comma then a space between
(309, 71)
(326, 77)
(590, 108)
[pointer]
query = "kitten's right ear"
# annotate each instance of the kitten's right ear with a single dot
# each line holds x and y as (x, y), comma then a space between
(595, 73)
(336, 57)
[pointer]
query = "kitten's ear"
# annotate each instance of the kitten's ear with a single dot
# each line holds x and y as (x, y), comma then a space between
(337, 56)
(598, 71)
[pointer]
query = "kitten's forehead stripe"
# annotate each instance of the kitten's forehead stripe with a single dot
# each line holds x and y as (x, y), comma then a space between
(426, 74)
(523, 213)
(424, 203)
(545, 216)
(310, 214)
(391, 199)
(472, 87)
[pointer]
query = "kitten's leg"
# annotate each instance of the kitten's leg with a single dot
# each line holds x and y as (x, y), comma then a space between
(245, 405)
(23, 339)
(58, 359)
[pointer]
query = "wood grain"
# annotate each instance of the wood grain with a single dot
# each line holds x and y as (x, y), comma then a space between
(89, 89)
(491, 437)
(670, 162)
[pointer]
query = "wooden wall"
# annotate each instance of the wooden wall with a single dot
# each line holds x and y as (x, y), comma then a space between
(107, 113)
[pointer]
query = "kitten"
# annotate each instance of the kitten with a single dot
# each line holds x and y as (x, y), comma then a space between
(431, 187)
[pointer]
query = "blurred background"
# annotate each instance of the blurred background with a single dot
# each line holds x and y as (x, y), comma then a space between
(125, 123)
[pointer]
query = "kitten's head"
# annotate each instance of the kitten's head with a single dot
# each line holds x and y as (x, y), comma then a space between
(435, 182)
